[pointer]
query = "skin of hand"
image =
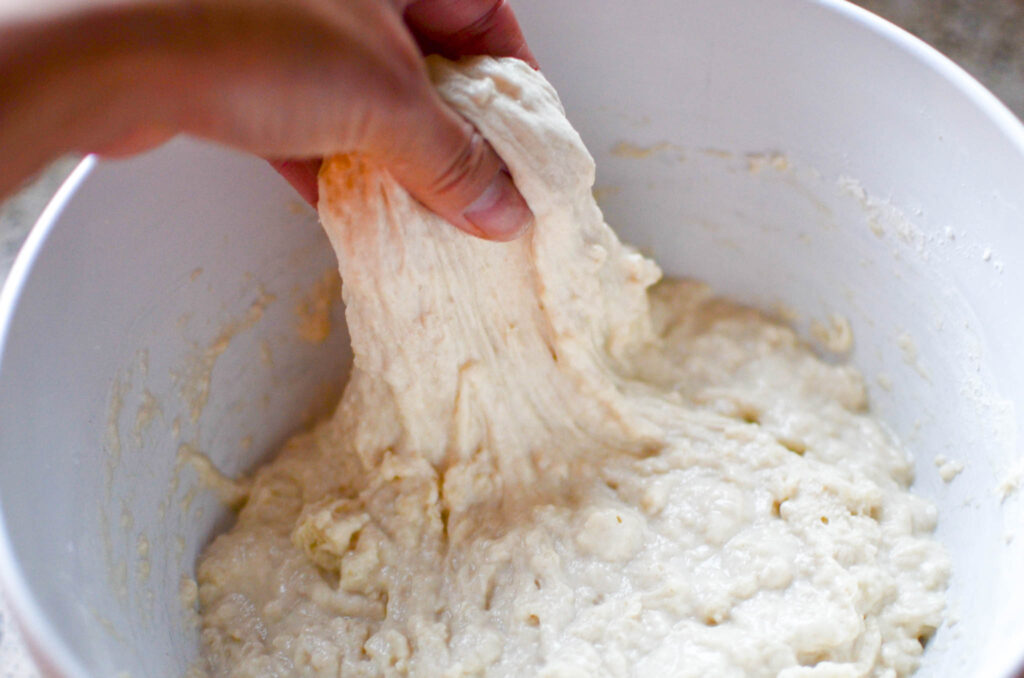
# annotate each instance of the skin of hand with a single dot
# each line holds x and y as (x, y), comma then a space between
(278, 78)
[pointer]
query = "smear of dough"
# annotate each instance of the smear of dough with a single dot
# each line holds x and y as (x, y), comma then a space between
(194, 379)
(112, 433)
(1011, 480)
(544, 466)
(910, 356)
(144, 565)
(836, 337)
(948, 468)
(230, 491)
(149, 409)
(758, 162)
(314, 312)
(627, 149)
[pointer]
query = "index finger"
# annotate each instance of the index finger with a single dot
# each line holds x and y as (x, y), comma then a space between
(455, 28)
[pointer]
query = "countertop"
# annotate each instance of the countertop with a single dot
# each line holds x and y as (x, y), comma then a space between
(983, 36)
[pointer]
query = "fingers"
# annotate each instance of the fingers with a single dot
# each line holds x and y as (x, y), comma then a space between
(355, 83)
(135, 142)
(457, 28)
(302, 175)
(445, 164)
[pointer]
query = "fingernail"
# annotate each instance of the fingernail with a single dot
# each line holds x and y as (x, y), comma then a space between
(526, 55)
(500, 213)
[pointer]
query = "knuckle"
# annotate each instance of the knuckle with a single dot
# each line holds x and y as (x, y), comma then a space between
(460, 171)
(487, 12)
(457, 21)
(473, 18)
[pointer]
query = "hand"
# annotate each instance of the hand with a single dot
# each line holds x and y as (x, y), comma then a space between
(279, 78)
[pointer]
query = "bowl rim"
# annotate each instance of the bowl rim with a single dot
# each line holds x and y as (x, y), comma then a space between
(49, 649)
(42, 641)
(998, 112)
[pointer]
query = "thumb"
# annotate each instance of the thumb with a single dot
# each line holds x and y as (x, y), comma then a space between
(445, 164)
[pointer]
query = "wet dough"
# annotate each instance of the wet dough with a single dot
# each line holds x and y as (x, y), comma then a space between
(544, 466)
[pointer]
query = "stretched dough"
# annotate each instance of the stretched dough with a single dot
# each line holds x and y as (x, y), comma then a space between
(543, 466)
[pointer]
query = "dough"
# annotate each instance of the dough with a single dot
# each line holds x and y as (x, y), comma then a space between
(543, 466)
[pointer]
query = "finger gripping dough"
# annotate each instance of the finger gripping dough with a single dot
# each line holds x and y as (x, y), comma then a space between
(545, 464)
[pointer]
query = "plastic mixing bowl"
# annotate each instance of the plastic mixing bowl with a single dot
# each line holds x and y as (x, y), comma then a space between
(805, 157)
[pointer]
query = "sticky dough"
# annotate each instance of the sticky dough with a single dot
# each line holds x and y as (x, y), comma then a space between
(545, 464)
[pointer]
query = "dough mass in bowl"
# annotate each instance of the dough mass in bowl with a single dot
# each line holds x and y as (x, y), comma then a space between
(544, 466)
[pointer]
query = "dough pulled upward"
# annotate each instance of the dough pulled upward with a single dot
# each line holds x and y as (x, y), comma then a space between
(545, 464)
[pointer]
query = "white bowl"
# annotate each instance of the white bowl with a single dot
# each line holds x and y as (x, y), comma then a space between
(800, 155)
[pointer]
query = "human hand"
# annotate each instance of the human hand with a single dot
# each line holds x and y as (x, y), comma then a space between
(284, 79)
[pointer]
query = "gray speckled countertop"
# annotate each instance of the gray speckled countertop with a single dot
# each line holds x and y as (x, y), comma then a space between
(983, 36)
